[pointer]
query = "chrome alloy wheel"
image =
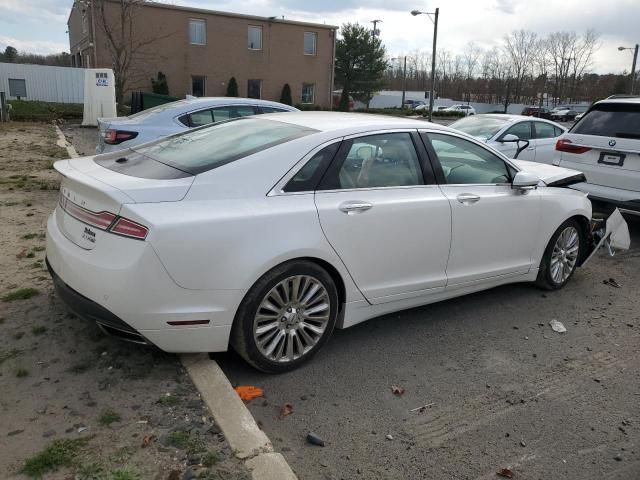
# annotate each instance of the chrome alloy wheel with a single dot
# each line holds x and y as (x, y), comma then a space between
(291, 318)
(565, 254)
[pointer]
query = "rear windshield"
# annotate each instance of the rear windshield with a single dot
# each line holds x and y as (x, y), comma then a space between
(212, 146)
(158, 109)
(620, 120)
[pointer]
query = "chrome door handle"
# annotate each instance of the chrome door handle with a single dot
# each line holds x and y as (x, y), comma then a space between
(354, 207)
(468, 198)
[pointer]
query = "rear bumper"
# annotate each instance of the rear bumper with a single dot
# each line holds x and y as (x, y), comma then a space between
(627, 201)
(89, 310)
(122, 285)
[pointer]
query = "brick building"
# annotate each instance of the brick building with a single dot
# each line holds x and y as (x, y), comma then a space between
(200, 50)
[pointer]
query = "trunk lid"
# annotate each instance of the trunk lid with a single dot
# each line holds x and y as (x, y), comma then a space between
(91, 192)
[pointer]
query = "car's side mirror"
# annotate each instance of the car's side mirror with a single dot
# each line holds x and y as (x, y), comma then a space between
(525, 181)
(509, 138)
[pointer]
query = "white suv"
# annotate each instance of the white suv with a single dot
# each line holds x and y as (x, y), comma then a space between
(466, 109)
(605, 145)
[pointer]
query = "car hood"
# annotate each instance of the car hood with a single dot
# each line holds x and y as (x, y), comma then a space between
(551, 175)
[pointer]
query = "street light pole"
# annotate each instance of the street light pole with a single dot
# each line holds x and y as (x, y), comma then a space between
(633, 65)
(433, 54)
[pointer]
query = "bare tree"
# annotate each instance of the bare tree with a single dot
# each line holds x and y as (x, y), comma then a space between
(561, 46)
(118, 20)
(520, 47)
(583, 51)
(470, 57)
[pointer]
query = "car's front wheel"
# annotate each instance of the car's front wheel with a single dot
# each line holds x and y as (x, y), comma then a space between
(562, 255)
(286, 317)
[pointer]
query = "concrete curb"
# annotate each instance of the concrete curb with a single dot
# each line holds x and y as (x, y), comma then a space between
(63, 143)
(236, 422)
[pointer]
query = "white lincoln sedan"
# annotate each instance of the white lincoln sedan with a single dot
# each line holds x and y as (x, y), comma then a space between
(267, 232)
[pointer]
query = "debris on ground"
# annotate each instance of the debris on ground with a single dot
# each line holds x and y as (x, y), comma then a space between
(557, 326)
(522, 443)
(148, 440)
(396, 390)
(505, 472)
(612, 283)
(248, 392)
(285, 410)
(389, 437)
(314, 439)
(422, 408)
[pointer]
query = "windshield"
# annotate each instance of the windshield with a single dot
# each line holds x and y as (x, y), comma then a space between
(611, 120)
(213, 146)
(158, 109)
(480, 127)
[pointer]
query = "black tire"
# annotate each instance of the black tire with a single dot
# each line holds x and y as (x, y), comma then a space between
(242, 335)
(545, 278)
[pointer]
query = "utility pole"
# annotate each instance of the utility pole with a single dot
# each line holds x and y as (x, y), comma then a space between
(373, 36)
(633, 65)
(433, 54)
(433, 64)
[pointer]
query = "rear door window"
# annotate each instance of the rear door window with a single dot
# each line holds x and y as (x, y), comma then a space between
(203, 117)
(544, 130)
(272, 110)
(621, 120)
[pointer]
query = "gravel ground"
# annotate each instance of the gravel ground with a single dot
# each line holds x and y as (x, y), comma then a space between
(110, 410)
(504, 389)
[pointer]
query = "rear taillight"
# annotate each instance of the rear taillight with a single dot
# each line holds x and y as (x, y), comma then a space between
(566, 145)
(115, 137)
(128, 228)
(107, 221)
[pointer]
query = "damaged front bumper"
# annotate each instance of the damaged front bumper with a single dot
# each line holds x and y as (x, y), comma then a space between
(611, 233)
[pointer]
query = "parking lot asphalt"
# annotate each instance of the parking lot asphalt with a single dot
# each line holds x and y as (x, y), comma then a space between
(504, 390)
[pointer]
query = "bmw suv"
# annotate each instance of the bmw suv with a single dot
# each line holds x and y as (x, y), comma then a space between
(605, 145)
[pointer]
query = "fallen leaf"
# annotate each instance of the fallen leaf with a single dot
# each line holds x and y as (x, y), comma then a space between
(399, 391)
(148, 440)
(285, 410)
(505, 472)
(249, 392)
(22, 254)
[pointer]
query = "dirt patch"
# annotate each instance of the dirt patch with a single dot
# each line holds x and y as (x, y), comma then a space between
(75, 403)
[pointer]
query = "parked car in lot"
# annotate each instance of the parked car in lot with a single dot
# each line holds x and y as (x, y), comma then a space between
(466, 109)
(267, 232)
(579, 116)
(538, 112)
(563, 114)
(503, 131)
(414, 104)
(175, 117)
(605, 145)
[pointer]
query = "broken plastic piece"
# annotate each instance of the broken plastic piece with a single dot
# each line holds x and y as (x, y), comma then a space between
(557, 326)
(249, 392)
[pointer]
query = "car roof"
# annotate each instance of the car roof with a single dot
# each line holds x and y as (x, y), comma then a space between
(620, 100)
(512, 117)
(347, 123)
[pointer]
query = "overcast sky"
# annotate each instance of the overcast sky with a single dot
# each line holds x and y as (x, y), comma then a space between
(39, 26)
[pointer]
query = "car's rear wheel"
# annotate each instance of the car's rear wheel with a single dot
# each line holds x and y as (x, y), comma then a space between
(561, 256)
(286, 317)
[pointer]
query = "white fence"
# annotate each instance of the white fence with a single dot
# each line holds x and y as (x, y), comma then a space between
(43, 83)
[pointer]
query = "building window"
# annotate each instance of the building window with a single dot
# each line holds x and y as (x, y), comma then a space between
(254, 89)
(198, 85)
(197, 31)
(308, 93)
(17, 87)
(254, 38)
(85, 23)
(310, 39)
